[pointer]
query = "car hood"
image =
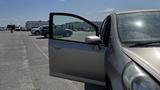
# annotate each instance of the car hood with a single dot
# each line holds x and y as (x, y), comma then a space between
(148, 58)
(34, 29)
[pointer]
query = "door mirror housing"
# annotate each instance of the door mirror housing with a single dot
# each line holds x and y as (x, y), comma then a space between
(93, 40)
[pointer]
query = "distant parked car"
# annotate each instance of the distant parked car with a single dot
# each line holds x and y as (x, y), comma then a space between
(17, 29)
(35, 31)
(45, 31)
(2, 29)
(23, 29)
(57, 32)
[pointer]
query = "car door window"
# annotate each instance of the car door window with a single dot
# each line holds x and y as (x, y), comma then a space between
(46, 27)
(71, 28)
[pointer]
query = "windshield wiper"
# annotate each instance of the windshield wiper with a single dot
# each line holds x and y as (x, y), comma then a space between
(144, 44)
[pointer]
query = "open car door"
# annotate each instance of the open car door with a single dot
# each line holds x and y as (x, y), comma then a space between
(71, 56)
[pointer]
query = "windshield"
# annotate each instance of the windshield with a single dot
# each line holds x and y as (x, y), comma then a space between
(139, 27)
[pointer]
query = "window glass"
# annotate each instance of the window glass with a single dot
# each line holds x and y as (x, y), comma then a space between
(46, 27)
(139, 27)
(71, 28)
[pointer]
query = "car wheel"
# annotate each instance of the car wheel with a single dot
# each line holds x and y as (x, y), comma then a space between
(68, 34)
(37, 33)
(46, 35)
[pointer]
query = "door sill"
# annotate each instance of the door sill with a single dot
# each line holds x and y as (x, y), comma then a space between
(70, 77)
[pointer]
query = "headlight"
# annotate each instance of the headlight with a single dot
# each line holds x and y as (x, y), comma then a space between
(135, 78)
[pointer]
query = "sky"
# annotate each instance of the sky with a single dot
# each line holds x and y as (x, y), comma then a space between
(19, 11)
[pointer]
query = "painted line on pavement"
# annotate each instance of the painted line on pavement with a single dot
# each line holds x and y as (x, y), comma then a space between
(39, 49)
(25, 65)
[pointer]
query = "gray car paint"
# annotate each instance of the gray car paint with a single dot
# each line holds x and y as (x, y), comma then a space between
(76, 59)
(116, 57)
(148, 58)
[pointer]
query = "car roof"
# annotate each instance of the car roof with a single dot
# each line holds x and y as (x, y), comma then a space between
(136, 11)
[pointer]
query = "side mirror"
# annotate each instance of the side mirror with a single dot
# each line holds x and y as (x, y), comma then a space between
(93, 40)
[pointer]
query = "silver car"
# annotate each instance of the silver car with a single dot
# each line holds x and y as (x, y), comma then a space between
(35, 31)
(123, 55)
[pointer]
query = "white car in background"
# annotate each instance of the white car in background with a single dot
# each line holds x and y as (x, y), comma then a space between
(35, 31)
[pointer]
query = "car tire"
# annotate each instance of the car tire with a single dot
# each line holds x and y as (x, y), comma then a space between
(46, 35)
(67, 34)
(37, 33)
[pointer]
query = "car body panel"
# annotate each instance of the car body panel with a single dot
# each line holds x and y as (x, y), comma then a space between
(34, 30)
(44, 29)
(43, 32)
(115, 59)
(74, 59)
(148, 58)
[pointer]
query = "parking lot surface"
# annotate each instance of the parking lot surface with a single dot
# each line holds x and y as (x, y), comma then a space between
(24, 65)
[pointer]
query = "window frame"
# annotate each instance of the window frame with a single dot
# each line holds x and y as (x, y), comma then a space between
(70, 15)
(104, 33)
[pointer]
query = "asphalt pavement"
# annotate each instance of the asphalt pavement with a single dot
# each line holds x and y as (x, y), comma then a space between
(24, 65)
